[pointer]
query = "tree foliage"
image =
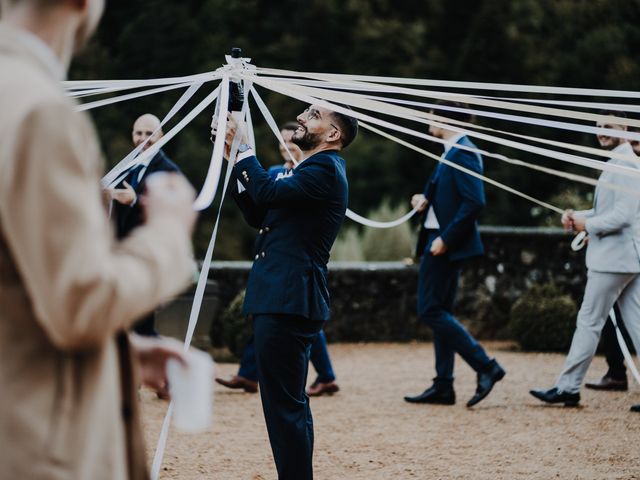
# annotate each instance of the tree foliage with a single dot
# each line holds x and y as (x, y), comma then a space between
(579, 43)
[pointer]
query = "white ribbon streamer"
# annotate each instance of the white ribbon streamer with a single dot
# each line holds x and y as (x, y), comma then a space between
(337, 108)
(375, 224)
(349, 213)
(411, 114)
(130, 96)
(579, 241)
(199, 293)
(127, 162)
(215, 166)
(296, 92)
(503, 87)
(623, 347)
(482, 113)
(147, 155)
(499, 104)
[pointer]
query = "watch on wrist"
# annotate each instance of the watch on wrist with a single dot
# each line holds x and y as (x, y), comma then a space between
(243, 147)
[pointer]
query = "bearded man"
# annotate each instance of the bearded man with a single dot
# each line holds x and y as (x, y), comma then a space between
(298, 218)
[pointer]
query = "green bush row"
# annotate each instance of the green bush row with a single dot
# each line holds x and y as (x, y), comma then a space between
(543, 319)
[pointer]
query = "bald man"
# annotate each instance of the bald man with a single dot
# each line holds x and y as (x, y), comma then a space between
(127, 211)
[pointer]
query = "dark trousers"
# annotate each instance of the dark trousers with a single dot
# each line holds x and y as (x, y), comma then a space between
(437, 286)
(319, 359)
(611, 348)
(282, 344)
(146, 326)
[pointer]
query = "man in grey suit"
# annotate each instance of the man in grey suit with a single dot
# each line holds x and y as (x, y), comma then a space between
(613, 264)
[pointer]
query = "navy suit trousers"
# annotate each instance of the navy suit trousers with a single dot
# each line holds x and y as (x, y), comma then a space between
(437, 286)
(282, 344)
(319, 359)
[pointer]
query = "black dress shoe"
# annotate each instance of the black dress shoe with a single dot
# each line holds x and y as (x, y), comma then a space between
(608, 383)
(487, 378)
(435, 395)
(554, 396)
(635, 408)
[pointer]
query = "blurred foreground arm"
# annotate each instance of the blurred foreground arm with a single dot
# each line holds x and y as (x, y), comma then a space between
(83, 284)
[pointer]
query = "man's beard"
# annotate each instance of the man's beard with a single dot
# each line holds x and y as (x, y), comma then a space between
(308, 141)
(613, 143)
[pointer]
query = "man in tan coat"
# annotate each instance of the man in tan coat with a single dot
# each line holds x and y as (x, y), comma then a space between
(68, 290)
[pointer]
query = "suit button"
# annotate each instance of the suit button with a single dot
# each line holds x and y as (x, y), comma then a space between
(257, 257)
(244, 173)
(261, 231)
(266, 229)
(262, 254)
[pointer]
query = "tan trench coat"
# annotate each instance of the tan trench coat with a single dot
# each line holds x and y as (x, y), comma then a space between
(68, 289)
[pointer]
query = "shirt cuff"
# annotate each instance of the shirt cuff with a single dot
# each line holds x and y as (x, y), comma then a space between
(245, 154)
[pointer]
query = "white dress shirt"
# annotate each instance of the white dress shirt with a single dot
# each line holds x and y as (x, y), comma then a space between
(431, 222)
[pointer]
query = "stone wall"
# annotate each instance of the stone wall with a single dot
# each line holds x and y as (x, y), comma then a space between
(376, 301)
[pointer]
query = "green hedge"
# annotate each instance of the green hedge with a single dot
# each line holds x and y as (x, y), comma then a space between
(543, 319)
(237, 329)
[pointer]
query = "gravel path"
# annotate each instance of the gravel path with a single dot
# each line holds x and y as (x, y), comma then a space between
(366, 431)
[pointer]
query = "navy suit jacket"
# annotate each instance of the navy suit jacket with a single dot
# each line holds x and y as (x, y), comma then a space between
(457, 199)
(298, 217)
(127, 218)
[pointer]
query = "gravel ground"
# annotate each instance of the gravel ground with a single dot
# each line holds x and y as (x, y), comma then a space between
(366, 431)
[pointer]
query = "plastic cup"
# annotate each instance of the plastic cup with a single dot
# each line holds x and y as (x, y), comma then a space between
(191, 388)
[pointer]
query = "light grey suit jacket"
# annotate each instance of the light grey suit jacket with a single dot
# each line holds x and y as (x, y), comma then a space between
(613, 224)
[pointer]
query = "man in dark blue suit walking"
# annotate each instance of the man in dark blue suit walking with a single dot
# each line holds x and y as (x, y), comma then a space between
(448, 237)
(298, 218)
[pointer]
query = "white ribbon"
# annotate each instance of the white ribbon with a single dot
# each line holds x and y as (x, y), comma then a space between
(470, 172)
(503, 87)
(623, 347)
(375, 224)
(215, 166)
(147, 155)
(130, 96)
(349, 213)
(200, 287)
(421, 117)
(482, 113)
(293, 92)
(579, 241)
(498, 104)
(271, 122)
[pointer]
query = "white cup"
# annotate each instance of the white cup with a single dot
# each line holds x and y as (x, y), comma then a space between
(191, 388)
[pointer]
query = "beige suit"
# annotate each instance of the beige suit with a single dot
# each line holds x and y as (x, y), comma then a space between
(67, 289)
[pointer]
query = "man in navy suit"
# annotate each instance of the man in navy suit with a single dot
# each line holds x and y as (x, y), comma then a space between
(298, 218)
(247, 376)
(127, 211)
(448, 237)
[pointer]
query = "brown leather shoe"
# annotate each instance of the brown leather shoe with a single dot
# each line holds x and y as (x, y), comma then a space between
(237, 381)
(316, 389)
(608, 383)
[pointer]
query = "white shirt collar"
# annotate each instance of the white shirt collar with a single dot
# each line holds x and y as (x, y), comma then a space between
(452, 141)
(42, 51)
(624, 148)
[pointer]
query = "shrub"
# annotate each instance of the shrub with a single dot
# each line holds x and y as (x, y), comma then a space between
(375, 244)
(348, 246)
(387, 244)
(236, 328)
(543, 319)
